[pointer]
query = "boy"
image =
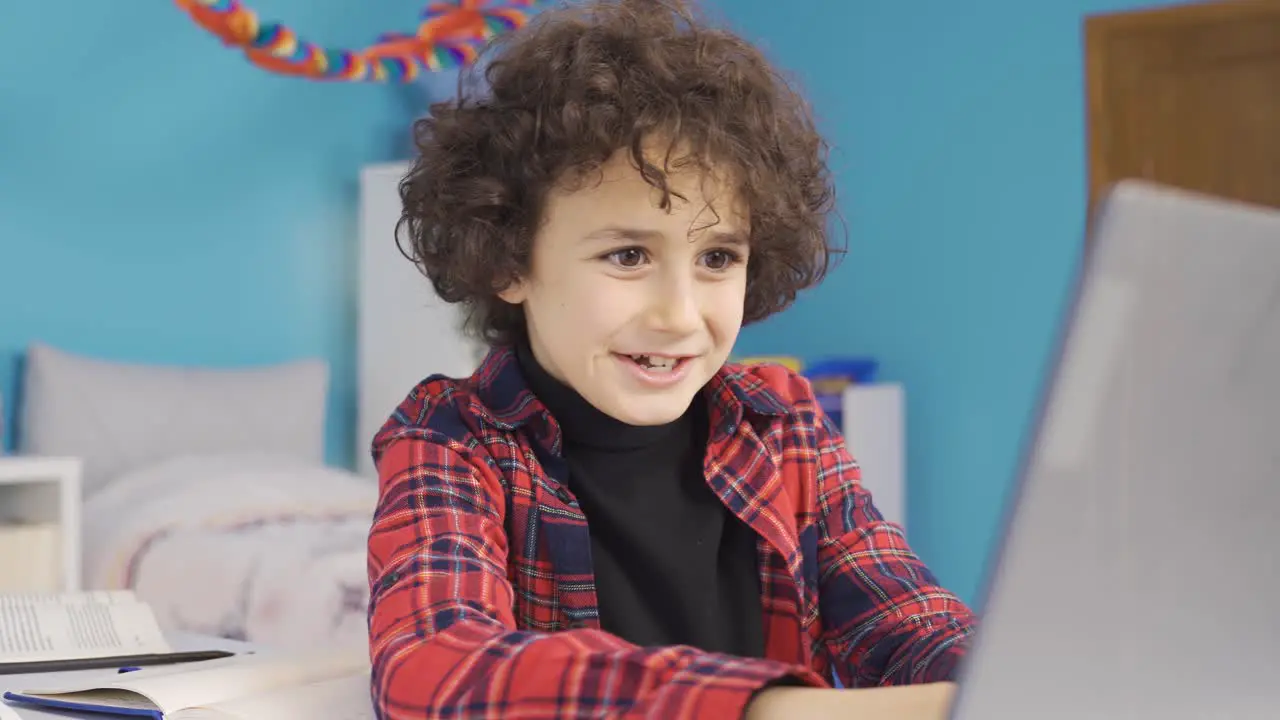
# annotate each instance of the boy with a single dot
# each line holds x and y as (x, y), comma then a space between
(606, 520)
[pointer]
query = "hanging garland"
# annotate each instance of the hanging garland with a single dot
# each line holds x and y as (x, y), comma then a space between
(450, 35)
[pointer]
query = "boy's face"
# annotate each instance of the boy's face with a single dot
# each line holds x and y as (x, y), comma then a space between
(633, 306)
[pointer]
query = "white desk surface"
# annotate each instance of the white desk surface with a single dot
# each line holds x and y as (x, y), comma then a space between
(13, 683)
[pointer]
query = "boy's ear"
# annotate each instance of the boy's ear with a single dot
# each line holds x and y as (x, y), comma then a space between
(515, 292)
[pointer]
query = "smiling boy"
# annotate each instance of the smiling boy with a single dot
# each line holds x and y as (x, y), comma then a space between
(607, 519)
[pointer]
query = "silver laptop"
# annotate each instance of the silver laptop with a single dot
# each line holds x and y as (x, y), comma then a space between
(1139, 573)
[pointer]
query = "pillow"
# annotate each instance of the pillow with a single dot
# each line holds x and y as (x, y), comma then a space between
(117, 416)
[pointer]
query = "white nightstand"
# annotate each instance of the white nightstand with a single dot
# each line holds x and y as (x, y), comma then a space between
(39, 524)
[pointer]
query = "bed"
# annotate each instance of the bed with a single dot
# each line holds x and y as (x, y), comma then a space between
(205, 490)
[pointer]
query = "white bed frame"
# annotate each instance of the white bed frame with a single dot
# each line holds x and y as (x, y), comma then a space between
(404, 331)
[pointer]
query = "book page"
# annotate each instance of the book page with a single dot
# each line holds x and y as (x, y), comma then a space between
(344, 698)
(209, 682)
(71, 626)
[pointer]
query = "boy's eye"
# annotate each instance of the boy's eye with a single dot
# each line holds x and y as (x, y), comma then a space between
(719, 259)
(627, 257)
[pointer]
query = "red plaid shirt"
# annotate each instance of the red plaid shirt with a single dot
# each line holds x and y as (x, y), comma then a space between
(482, 603)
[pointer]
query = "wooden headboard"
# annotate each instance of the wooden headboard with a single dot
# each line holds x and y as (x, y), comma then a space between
(404, 331)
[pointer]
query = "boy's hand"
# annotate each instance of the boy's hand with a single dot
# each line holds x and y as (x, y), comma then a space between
(929, 701)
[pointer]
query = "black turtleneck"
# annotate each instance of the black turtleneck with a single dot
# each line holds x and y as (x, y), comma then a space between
(673, 566)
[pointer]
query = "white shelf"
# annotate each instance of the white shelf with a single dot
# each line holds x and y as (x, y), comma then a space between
(39, 495)
(875, 432)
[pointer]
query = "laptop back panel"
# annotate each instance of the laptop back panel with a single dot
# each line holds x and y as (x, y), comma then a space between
(1139, 574)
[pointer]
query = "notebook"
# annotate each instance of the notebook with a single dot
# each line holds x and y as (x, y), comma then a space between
(331, 684)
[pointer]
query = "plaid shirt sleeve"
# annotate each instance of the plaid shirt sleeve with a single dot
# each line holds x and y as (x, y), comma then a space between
(885, 619)
(443, 640)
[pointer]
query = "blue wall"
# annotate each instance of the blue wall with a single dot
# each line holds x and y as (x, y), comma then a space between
(162, 201)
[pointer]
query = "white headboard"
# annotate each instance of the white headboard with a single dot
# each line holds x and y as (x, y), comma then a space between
(404, 331)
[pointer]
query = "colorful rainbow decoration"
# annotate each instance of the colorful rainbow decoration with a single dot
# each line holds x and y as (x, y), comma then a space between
(449, 36)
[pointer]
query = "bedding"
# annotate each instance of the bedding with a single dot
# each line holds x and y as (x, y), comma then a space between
(260, 548)
(118, 416)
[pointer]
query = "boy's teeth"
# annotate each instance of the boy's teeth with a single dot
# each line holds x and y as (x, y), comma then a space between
(654, 363)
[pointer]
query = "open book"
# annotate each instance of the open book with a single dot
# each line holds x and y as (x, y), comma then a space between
(69, 626)
(331, 684)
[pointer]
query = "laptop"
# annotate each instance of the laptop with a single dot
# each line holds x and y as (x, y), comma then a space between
(1139, 570)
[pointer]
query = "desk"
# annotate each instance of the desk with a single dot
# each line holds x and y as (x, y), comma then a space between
(12, 683)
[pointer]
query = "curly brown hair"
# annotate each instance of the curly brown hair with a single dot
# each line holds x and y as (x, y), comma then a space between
(572, 89)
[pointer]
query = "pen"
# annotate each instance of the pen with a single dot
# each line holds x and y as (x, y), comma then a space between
(118, 661)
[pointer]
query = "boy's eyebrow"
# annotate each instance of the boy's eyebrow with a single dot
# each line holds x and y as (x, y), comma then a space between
(615, 232)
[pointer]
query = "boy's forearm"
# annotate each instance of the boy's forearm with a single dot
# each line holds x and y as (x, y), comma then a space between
(929, 701)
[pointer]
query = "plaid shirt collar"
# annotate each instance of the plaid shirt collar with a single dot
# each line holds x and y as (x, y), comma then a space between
(505, 401)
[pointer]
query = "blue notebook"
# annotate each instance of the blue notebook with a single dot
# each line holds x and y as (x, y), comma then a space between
(297, 686)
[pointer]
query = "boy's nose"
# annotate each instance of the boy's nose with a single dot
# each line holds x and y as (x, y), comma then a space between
(675, 307)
